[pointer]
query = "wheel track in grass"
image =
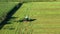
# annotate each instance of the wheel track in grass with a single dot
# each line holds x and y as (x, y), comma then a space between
(19, 23)
(24, 27)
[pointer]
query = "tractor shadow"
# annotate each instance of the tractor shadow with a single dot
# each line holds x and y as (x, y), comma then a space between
(29, 20)
(8, 16)
(13, 19)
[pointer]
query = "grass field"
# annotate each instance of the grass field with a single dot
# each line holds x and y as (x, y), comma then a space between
(29, 0)
(5, 7)
(47, 15)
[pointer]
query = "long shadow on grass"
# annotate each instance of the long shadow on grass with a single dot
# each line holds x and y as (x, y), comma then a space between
(8, 17)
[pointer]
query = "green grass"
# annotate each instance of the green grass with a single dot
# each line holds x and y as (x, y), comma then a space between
(47, 15)
(11, 0)
(29, 0)
(5, 7)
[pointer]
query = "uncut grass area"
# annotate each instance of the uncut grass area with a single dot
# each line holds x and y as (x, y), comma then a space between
(29, 0)
(5, 7)
(47, 15)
